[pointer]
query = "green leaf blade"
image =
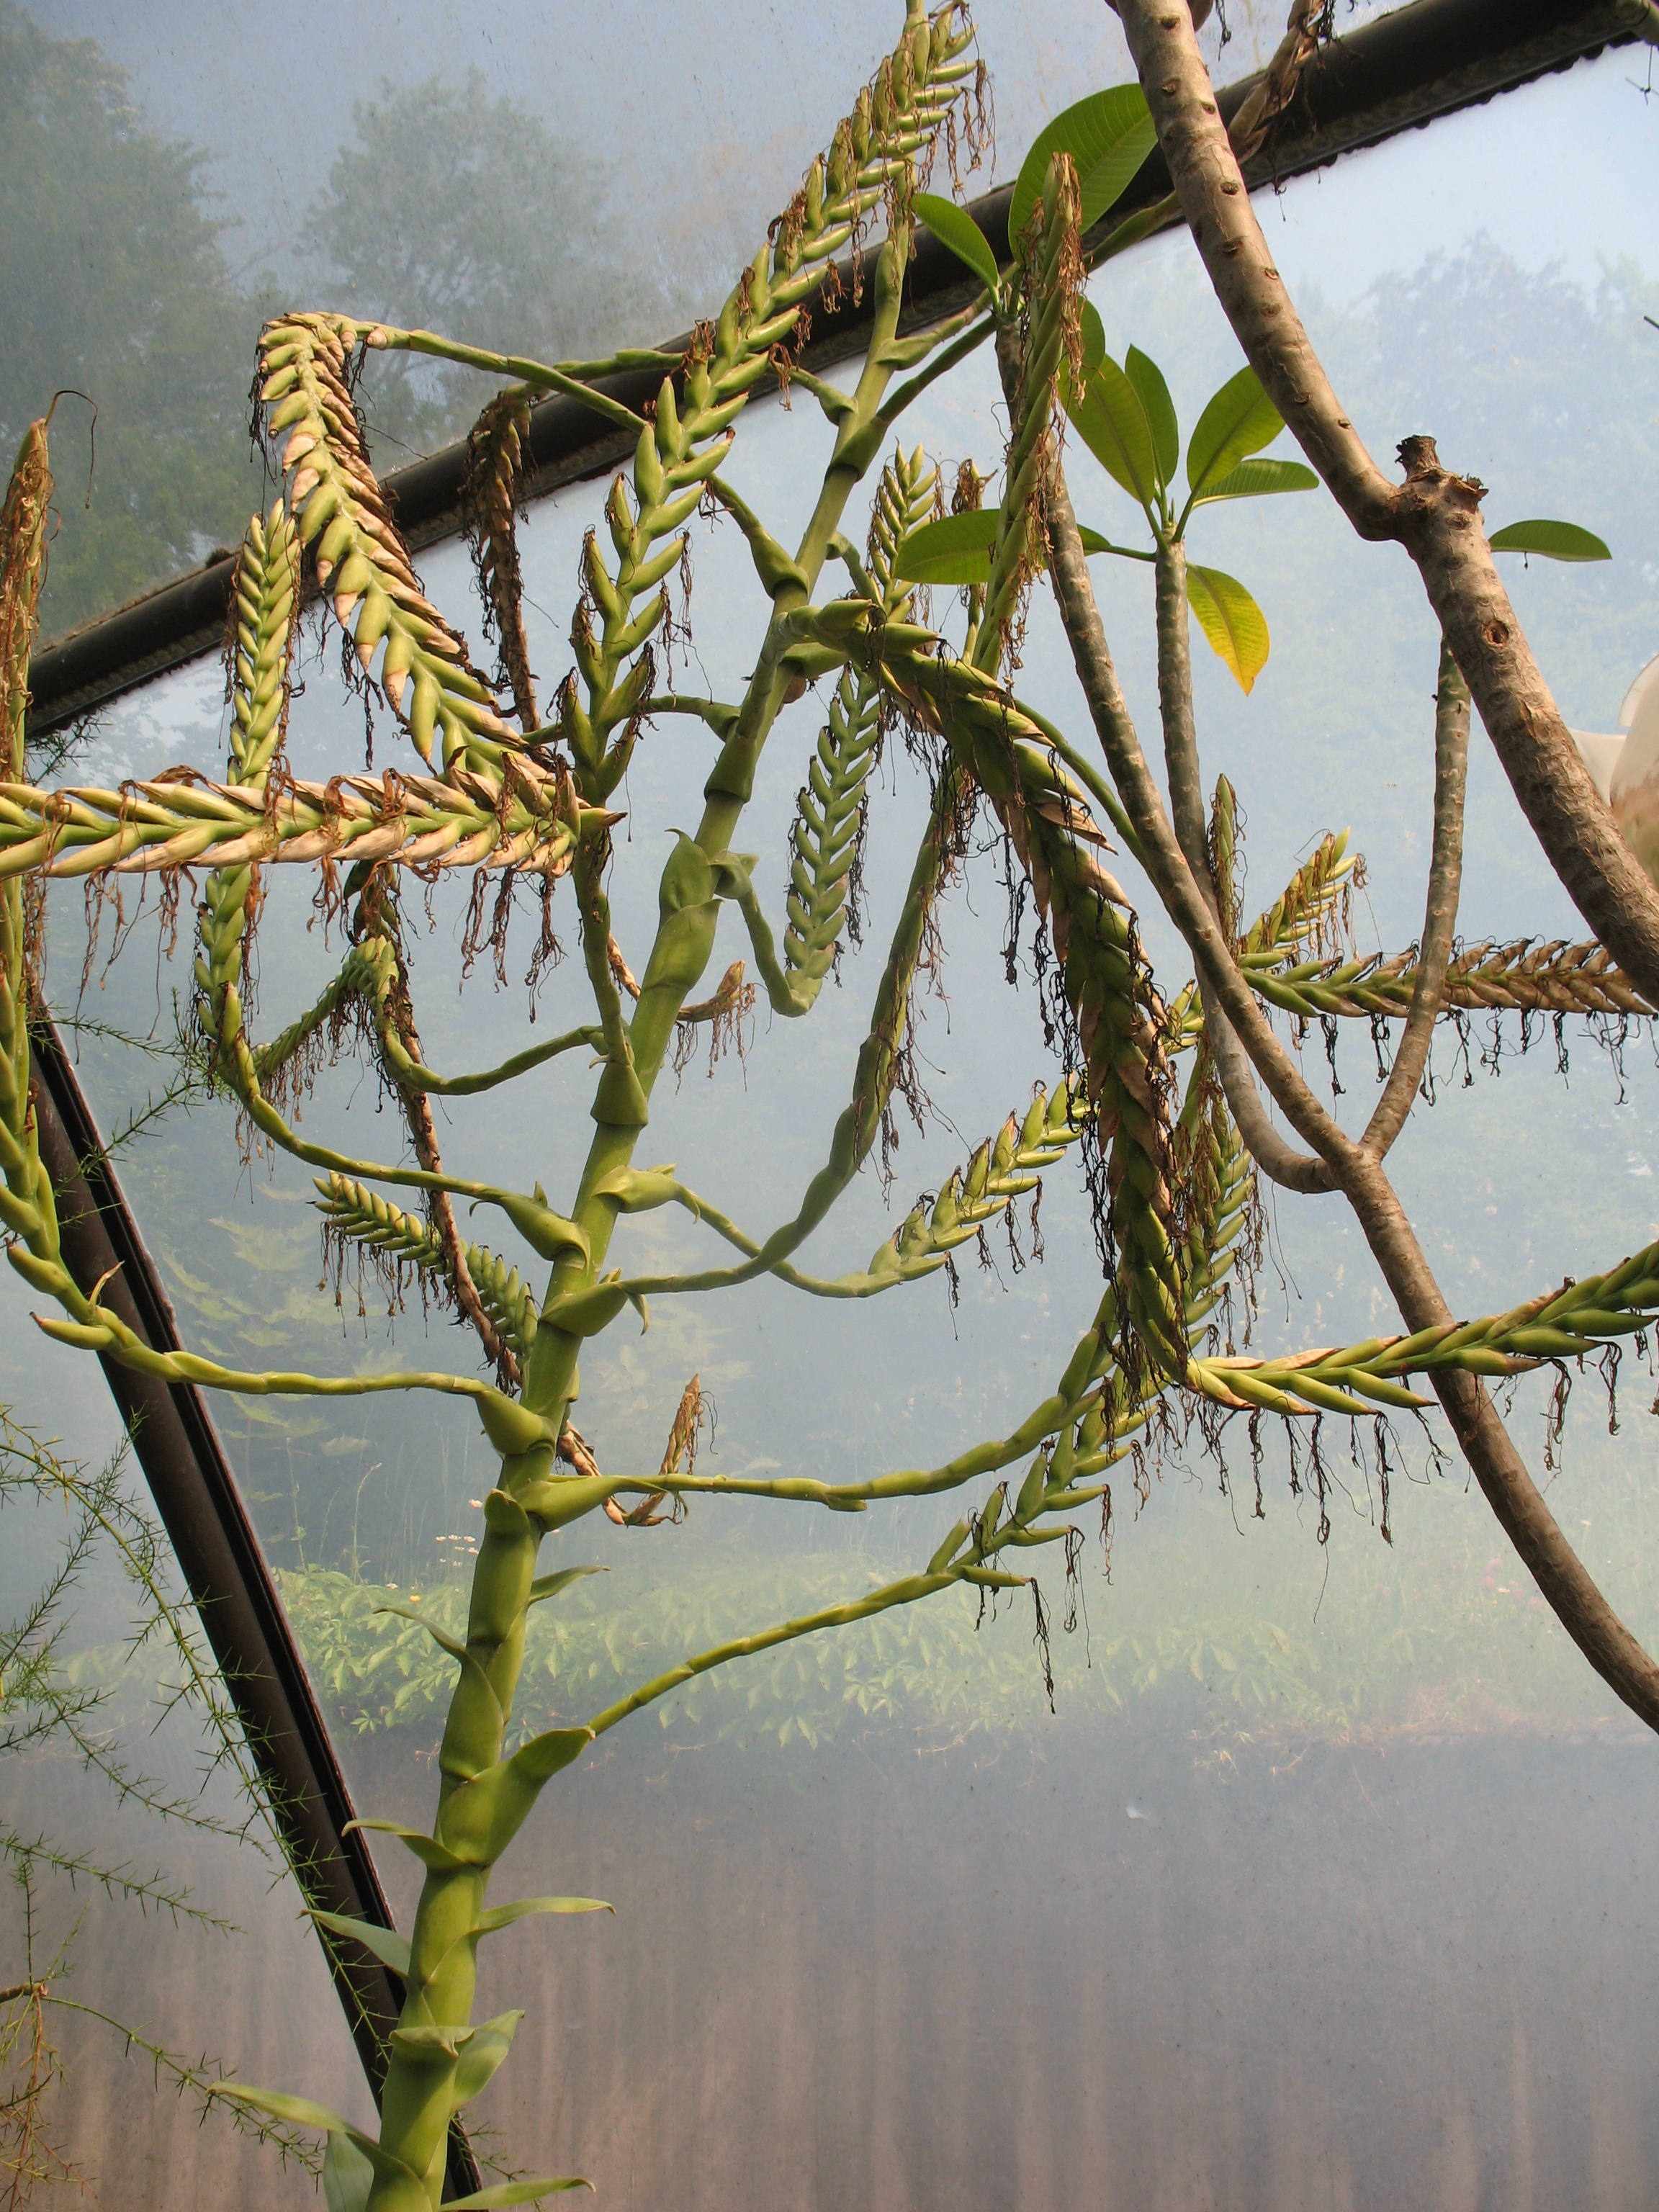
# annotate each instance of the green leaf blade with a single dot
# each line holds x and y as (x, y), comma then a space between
(513, 2192)
(497, 1917)
(1555, 541)
(1111, 421)
(957, 231)
(1154, 396)
(1237, 422)
(956, 549)
(385, 1944)
(546, 1586)
(1257, 479)
(1108, 136)
(1230, 618)
(1094, 337)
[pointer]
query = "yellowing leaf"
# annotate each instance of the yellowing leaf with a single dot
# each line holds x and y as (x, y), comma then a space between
(1235, 626)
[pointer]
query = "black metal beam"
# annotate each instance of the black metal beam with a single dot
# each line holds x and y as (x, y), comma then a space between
(220, 1557)
(1404, 69)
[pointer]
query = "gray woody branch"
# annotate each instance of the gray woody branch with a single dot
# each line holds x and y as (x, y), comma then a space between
(1435, 514)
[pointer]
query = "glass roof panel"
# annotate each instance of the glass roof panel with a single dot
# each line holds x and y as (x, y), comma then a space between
(541, 178)
(888, 1927)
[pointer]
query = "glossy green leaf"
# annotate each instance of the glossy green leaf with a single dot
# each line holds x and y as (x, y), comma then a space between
(1094, 336)
(1154, 396)
(1240, 420)
(1112, 422)
(960, 553)
(955, 228)
(1107, 136)
(1257, 479)
(1232, 621)
(956, 549)
(1556, 541)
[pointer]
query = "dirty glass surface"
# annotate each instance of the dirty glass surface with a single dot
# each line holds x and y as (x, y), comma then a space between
(557, 179)
(1318, 1884)
(194, 1943)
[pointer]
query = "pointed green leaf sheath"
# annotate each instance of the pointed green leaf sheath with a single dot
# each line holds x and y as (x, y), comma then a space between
(482, 2052)
(385, 1944)
(955, 229)
(524, 1908)
(1112, 422)
(480, 1819)
(348, 2176)
(1240, 420)
(1230, 619)
(403, 2187)
(514, 2192)
(1154, 396)
(545, 1586)
(1107, 136)
(1556, 541)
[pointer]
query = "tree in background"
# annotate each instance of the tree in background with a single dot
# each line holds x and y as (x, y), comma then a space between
(462, 213)
(115, 279)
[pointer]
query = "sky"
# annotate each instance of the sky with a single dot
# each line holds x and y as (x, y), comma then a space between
(726, 119)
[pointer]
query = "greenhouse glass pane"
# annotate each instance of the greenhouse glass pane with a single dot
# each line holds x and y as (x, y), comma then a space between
(1320, 1829)
(556, 180)
(195, 1943)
